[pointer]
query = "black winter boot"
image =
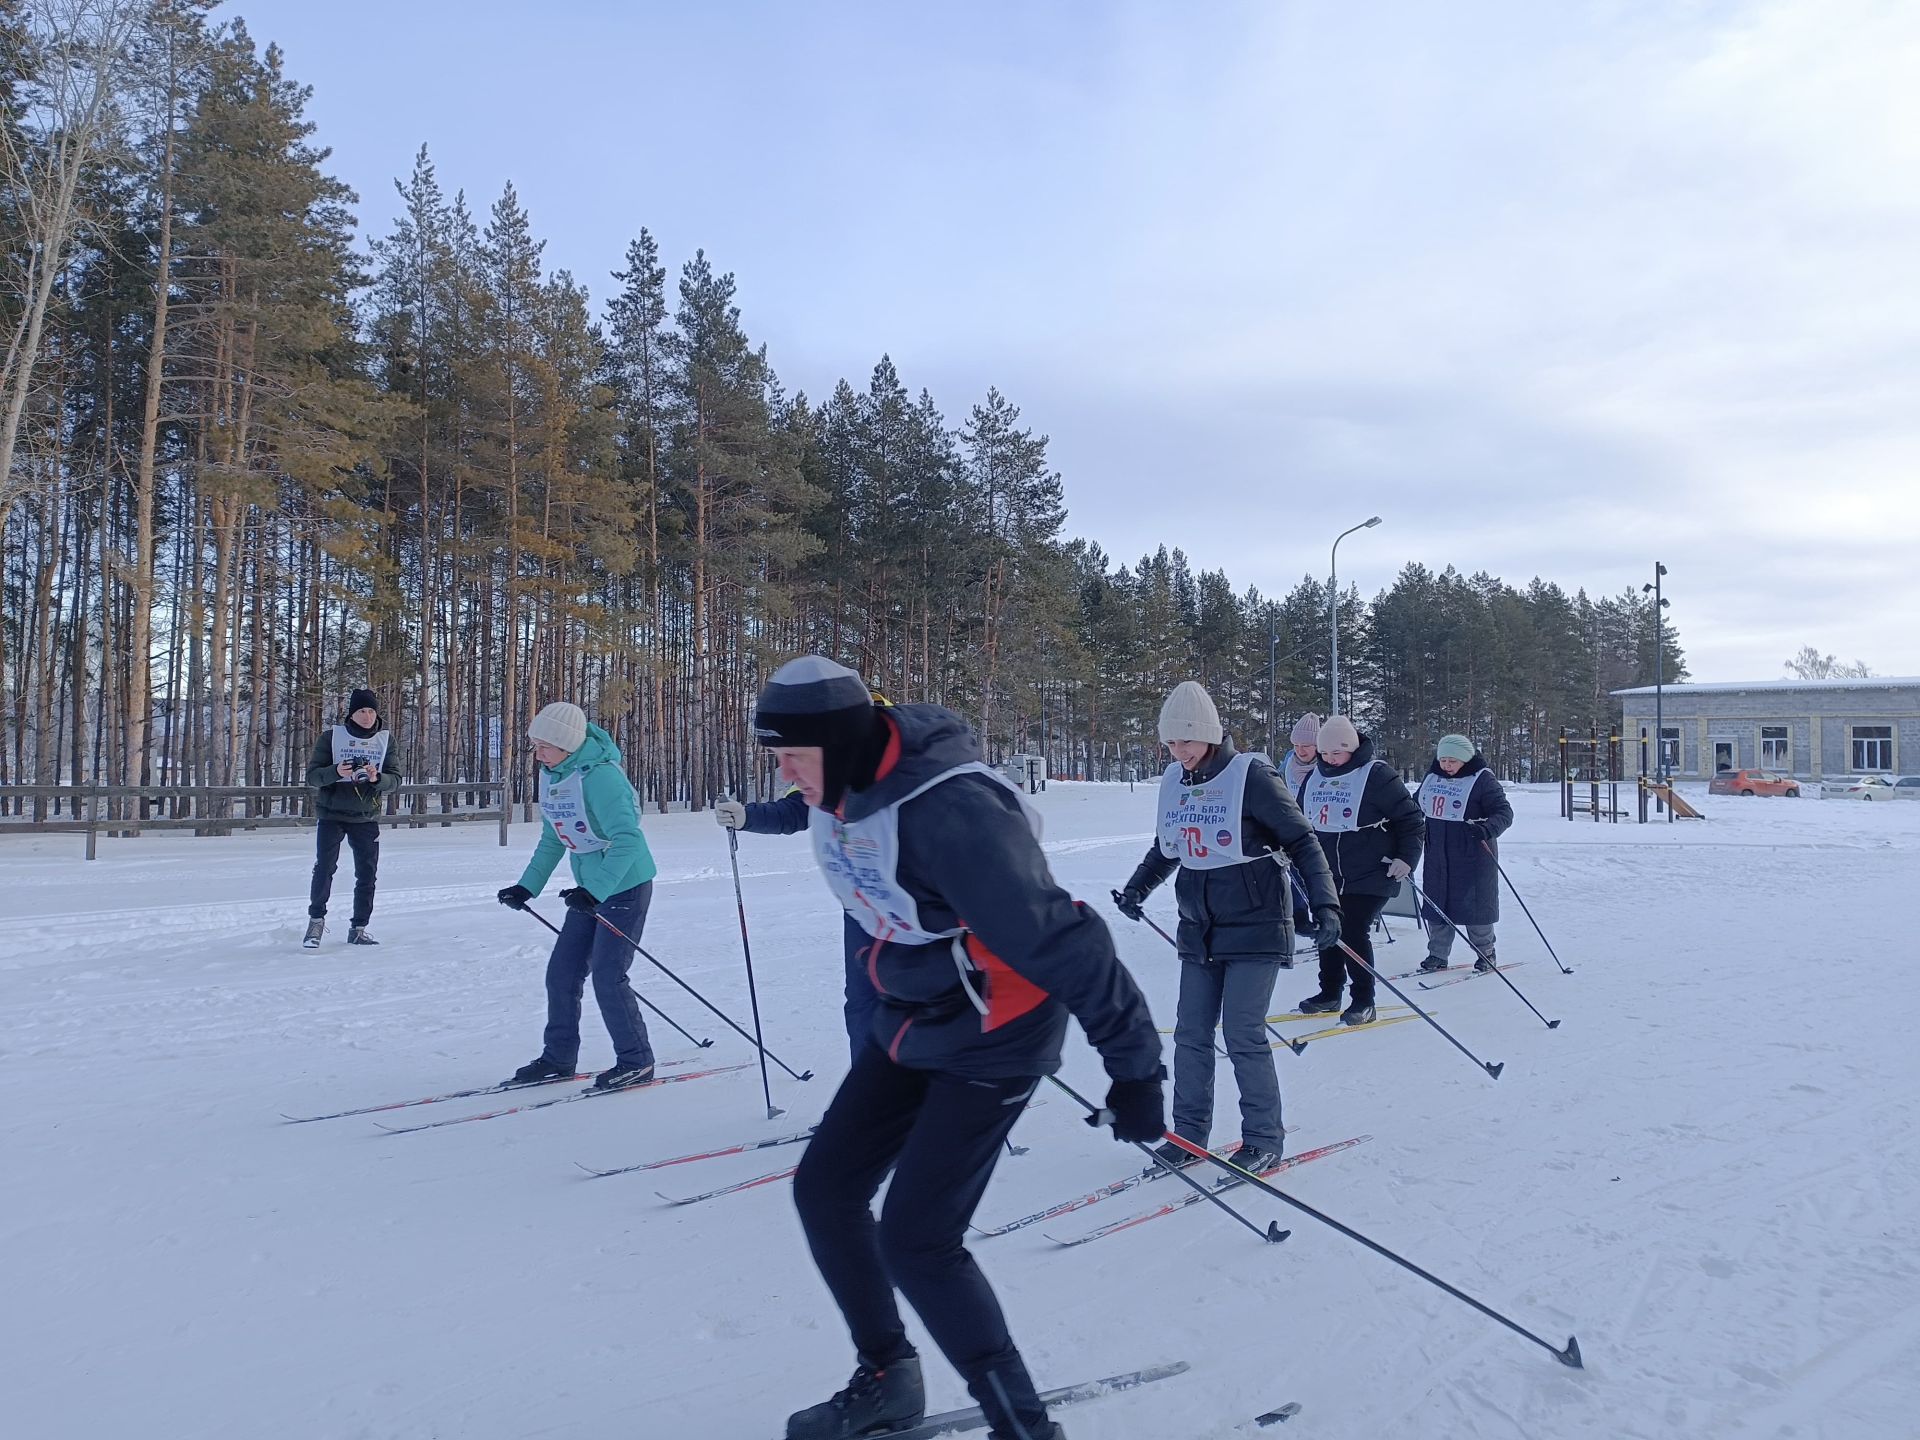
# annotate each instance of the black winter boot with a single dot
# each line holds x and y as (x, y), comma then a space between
(1321, 1004)
(1176, 1157)
(1254, 1158)
(538, 1072)
(878, 1399)
(1433, 964)
(1485, 962)
(357, 935)
(1005, 1392)
(621, 1076)
(1358, 1013)
(315, 929)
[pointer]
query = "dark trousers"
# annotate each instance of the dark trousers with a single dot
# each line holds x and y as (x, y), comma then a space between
(1357, 914)
(940, 1136)
(859, 996)
(1233, 994)
(363, 836)
(588, 948)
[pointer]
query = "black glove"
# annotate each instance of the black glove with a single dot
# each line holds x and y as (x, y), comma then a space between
(515, 897)
(1128, 903)
(1139, 1108)
(579, 898)
(1326, 923)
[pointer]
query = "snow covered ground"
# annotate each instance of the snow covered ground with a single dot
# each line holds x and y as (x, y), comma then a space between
(1709, 1172)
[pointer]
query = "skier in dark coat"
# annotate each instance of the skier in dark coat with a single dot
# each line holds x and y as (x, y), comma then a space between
(1371, 831)
(1228, 826)
(1466, 812)
(978, 958)
(788, 816)
(354, 767)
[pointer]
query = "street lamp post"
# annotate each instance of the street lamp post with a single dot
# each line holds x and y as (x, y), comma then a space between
(1659, 674)
(1333, 604)
(1273, 659)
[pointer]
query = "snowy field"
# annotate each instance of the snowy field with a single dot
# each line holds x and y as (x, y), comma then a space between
(1710, 1172)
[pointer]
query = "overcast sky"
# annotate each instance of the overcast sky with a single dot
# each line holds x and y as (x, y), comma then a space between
(1556, 289)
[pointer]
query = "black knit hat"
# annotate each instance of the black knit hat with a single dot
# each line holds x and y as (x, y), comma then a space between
(363, 700)
(812, 701)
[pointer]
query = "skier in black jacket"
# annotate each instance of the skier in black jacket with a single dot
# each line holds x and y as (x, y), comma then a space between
(1371, 831)
(354, 766)
(788, 816)
(978, 958)
(1229, 827)
(1466, 811)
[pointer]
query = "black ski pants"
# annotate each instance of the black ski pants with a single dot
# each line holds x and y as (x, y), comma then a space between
(940, 1135)
(363, 836)
(1357, 914)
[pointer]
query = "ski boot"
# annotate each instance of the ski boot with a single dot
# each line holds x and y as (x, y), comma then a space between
(1485, 962)
(1433, 965)
(1254, 1158)
(357, 935)
(538, 1072)
(622, 1076)
(1004, 1391)
(878, 1399)
(1321, 1004)
(1357, 1014)
(315, 929)
(1172, 1155)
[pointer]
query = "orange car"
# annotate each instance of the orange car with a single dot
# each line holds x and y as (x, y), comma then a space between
(1753, 782)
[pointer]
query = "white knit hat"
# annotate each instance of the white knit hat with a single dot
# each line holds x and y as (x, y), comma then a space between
(560, 725)
(1337, 733)
(1189, 714)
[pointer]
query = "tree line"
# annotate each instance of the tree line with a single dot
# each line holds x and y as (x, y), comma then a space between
(249, 462)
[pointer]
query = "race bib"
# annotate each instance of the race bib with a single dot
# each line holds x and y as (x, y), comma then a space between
(1445, 797)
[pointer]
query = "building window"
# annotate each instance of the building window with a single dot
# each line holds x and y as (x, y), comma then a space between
(1669, 748)
(1873, 747)
(1776, 749)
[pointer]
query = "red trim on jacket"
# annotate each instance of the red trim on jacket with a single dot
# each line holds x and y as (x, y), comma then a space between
(1009, 993)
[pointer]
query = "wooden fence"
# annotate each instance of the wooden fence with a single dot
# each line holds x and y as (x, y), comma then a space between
(123, 811)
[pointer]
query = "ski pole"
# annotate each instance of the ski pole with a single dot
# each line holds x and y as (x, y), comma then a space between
(1564, 969)
(641, 950)
(1354, 955)
(1097, 1117)
(753, 995)
(1218, 1048)
(1568, 1356)
(703, 1044)
(1427, 900)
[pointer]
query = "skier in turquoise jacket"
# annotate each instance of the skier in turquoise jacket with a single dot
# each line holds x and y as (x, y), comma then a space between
(591, 816)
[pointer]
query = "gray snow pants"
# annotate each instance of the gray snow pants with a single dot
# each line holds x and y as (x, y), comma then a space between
(1233, 994)
(1440, 939)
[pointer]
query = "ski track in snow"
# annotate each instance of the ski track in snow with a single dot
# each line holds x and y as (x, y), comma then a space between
(1707, 1173)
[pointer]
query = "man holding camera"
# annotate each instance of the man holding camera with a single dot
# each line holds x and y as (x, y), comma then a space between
(354, 767)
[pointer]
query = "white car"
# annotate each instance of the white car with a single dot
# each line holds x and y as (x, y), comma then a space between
(1906, 787)
(1858, 787)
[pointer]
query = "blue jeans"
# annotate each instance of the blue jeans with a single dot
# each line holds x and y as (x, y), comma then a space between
(588, 948)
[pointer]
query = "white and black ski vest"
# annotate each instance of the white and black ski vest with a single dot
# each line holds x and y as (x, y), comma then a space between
(861, 862)
(1332, 802)
(1444, 797)
(1201, 822)
(359, 750)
